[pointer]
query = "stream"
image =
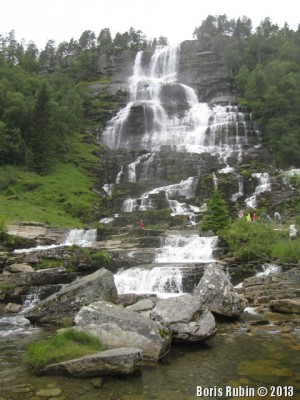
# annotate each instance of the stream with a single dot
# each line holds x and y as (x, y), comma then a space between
(237, 358)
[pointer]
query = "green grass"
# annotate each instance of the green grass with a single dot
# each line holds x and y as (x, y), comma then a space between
(63, 346)
(286, 250)
(64, 197)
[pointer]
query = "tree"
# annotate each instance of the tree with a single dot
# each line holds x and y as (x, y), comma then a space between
(217, 216)
(163, 41)
(87, 40)
(104, 39)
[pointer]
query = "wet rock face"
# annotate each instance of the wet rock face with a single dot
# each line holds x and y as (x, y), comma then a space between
(204, 71)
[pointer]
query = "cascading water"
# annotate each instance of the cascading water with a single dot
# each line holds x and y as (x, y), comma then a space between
(187, 249)
(163, 113)
(164, 116)
(173, 263)
(155, 93)
(165, 281)
(81, 237)
(263, 186)
(78, 237)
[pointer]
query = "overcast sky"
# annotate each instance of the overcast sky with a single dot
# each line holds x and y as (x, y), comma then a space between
(61, 20)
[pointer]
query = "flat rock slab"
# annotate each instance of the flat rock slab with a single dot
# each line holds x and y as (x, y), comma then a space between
(122, 361)
(25, 231)
(286, 306)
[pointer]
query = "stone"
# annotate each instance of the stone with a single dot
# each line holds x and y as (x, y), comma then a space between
(217, 292)
(61, 307)
(18, 268)
(286, 306)
(12, 308)
(117, 327)
(142, 305)
(269, 289)
(97, 382)
(186, 318)
(52, 392)
(120, 361)
(49, 276)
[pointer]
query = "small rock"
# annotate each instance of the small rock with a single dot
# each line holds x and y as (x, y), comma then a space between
(49, 392)
(97, 382)
(12, 308)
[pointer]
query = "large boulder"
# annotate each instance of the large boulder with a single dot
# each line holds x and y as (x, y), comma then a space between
(122, 361)
(186, 318)
(217, 292)
(117, 327)
(61, 308)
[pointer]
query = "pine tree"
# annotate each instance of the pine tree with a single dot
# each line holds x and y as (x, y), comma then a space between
(217, 216)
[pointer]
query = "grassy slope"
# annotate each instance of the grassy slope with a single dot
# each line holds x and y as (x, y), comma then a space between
(62, 198)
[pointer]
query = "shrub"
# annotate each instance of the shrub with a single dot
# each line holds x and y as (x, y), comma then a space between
(101, 256)
(249, 241)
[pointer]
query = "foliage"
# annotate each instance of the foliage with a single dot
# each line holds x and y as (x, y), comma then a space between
(102, 257)
(217, 216)
(63, 346)
(286, 250)
(260, 241)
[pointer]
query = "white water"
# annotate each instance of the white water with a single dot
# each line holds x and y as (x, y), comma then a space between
(162, 281)
(185, 188)
(187, 249)
(79, 237)
(269, 269)
(263, 186)
(218, 130)
(165, 279)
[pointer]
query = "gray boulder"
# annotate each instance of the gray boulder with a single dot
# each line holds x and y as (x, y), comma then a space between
(217, 292)
(117, 327)
(122, 361)
(17, 269)
(61, 308)
(186, 318)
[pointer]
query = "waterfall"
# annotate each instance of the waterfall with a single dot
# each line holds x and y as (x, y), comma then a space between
(269, 269)
(175, 263)
(185, 188)
(198, 128)
(163, 281)
(78, 237)
(81, 237)
(264, 185)
(187, 249)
